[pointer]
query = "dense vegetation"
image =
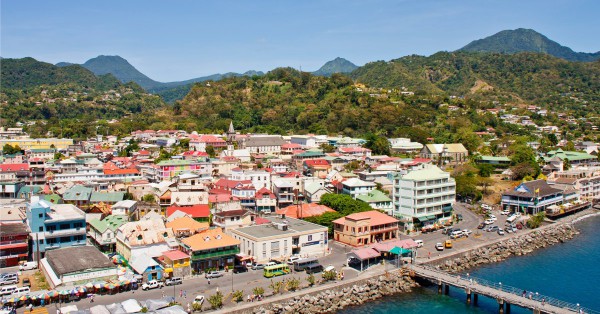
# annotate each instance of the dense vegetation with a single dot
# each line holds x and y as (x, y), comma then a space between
(337, 65)
(527, 40)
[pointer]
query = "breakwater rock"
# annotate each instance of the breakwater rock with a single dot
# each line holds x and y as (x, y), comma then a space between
(516, 246)
(334, 299)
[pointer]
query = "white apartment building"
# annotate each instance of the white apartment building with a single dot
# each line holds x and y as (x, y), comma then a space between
(355, 187)
(260, 178)
(422, 197)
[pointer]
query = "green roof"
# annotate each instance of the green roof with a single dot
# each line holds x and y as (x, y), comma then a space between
(570, 155)
(77, 193)
(27, 189)
(175, 162)
(53, 198)
(495, 158)
(42, 150)
(311, 154)
(107, 197)
(373, 197)
(112, 222)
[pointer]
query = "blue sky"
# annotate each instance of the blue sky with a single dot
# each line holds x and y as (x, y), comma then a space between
(178, 40)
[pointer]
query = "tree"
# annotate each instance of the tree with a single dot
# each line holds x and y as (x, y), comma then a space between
(485, 170)
(379, 145)
(327, 148)
(216, 300)
(329, 275)
(210, 150)
(325, 219)
(258, 291)
(566, 164)
(536, 220)
(276, 286)
(311, 280)
(292, 284)
(149, 198)
(8, 149)
(237, 296)
(344, 204)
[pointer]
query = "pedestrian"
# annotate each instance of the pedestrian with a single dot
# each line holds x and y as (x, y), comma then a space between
(471, 281)
(185, 294)
(30, 307)
(189, 308)
(163, 294)
(248, 299)
(429, 254)
(180, 293)
(42, 302)
(209, 281)
(217, 289)
(524, 293)
(543, 301)
(530, 295)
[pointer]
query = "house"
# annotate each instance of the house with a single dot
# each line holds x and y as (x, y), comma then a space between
(405, 146)
(446, 152)
(422, 197)
(377, 200)
(150, 237)
(211, 249)
(281, 237)
(266, 201)
(186, 226)
(587, 146)
(259, 178)
(531, 197)
(14, 243)
(574, 158)
(78, 195)
(263, 144)
(199, 212)
(364, 228)
(498, 161)
(314, 190)
(355, 187)
(103, 232)
(189, 198)
(125, 207)
(231, 219)
(206, 140)
(55, 226)
(176, 263)
(146, 267)
(284, 191)
(304, 210)
(74, 266)
(316, 167)
(109, 198)
(168, 169)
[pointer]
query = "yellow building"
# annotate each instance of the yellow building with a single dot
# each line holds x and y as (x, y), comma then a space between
(38, 143)
(177, 263)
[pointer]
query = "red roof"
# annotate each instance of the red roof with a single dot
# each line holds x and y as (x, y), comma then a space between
(219, 197)
(422, 160)
(375, 217)
(267, 192)
(195, 153)
(13, 167)
(291, 146)
(305, 210)
(143, 152)
(211, 139)
(175, 255)
(196, 211)
(261, 221)
(230, 184)
(121, 171)
(316, 162)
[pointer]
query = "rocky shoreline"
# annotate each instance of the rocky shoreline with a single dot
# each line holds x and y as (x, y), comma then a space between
(516, 246)
(330, 300)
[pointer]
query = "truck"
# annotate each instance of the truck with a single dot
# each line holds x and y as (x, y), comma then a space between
(152, 284)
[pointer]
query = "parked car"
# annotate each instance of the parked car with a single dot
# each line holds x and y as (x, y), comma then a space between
(174, 281)
(213, 274)
(500, 232)
(292, 259)
(8, 290)
(493, 229)
(199, 299)
(26, 282)
(271, 264)
(152, 284)
(456, 234)
(239, 269)
(459, 217)
(20, 291)
(313, 268)
(448, 244)
(28, 266)
(258, 266)
(419, 243)
(489, 221)
(492, 217)
(9, 279)
(481, 225)
(467, 232)
(505, 212)
(439, 246)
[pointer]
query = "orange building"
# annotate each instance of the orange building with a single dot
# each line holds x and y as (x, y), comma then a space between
(365, 228)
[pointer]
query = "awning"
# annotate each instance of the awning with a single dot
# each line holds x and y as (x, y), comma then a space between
(399, 251)
(431, 217)
(365, 253)
(168, 270)
(447, 209)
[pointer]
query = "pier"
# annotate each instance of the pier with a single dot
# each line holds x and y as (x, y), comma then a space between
(506, 296)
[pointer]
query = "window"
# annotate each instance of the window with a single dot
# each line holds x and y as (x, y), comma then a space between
(41, 229)
(264, 253)
(310, 237)
(275, 249)
(285, 247)
(41, 215)
(41, 241)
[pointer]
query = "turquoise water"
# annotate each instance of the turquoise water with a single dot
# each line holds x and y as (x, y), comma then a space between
(568, 271)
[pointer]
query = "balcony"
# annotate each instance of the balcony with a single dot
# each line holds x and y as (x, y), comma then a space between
(64, 233)
(215, 254)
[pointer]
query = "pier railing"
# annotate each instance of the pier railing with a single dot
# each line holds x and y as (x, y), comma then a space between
(464, 281)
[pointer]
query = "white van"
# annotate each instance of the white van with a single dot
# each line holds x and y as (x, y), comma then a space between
(28, 266)
(511, 219)
(419, 243)
(8, 290)
(456, 234)
(270, 264)
(21, 291)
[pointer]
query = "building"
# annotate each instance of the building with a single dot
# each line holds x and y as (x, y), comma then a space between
(103, 232)
(78, 195)
(263, 144)
(54, 226)
(314, 191)
(149, 237)
(282, 237)
(232, 219)
(574, 158)
(200, 212)
(355, 187)
(498, 161)
(146, 267)
(176, 263)
(211, 249)
(531, 197)
(422, 197)
(38, 143)
(365, 228)
(124, 208)
(168, 169)
(284, 191)
(266, 201)
(77, 266)
(378, 200)
(445, 152)
(14, 244)
(186, 226)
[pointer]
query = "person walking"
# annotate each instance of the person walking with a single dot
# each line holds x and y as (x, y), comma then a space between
(185, 294)
(209, 281)
(180, 293)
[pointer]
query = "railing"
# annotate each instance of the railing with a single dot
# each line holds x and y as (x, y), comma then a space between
(215, 254)
(470, 280)
(13, 242)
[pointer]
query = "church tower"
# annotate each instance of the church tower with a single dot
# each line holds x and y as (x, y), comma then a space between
(230, 139)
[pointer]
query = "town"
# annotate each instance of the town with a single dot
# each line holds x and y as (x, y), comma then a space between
(88, 222)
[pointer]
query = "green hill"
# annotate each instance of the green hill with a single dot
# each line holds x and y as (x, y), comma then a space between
(526, 76)
(121, 69)
(337, 65)
(526, 40)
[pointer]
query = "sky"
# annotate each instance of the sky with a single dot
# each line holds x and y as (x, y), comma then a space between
(179, 40)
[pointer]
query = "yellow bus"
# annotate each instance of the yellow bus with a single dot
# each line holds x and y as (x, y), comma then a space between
(276, 270)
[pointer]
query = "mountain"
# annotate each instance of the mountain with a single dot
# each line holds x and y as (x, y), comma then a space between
(121, 69)
(64, 64)
(337, 65)
(28, 72)
(522, 76)
(527, 40)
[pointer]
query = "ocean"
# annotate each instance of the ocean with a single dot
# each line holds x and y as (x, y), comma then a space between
(568, 271)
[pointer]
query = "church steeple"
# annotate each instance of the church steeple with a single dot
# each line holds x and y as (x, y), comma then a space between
(230, 139)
